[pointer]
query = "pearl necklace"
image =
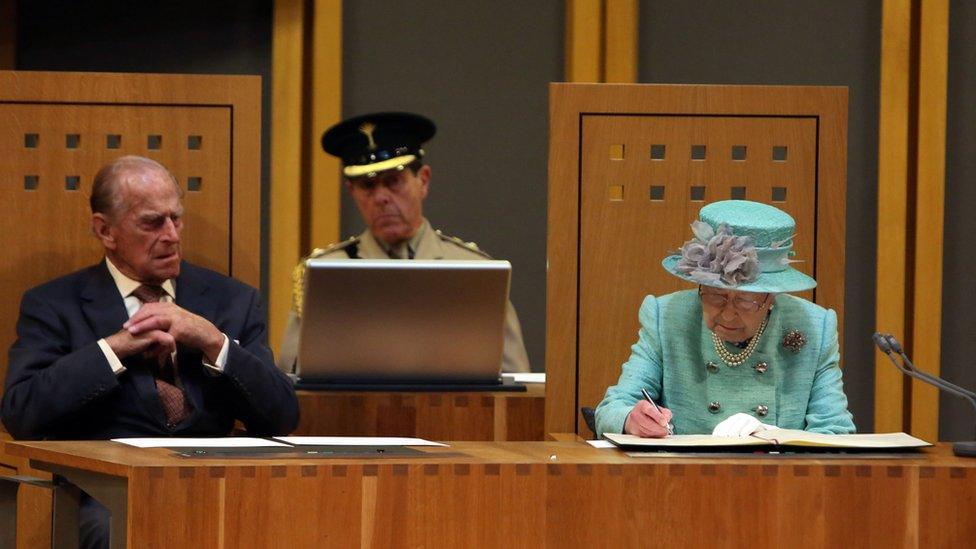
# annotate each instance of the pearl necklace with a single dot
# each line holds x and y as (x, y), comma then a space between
(735, 359)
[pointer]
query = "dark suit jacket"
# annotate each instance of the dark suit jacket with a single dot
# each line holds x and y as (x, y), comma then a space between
(60, 386)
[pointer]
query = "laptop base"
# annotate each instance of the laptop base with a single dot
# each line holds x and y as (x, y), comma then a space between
(313, 385)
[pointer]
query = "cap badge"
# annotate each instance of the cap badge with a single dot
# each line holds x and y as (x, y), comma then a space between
(367, 128)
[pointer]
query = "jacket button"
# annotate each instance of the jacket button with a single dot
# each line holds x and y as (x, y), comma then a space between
(762, 410)
(712, 367)
(714, 406)
(761, 367)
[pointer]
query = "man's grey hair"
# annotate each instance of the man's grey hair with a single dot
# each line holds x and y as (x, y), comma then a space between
(105, 198)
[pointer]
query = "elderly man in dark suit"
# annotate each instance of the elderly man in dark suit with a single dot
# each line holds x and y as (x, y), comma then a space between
(142, 343)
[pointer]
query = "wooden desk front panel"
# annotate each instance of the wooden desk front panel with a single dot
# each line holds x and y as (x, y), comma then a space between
(554, 505)
(434, 416)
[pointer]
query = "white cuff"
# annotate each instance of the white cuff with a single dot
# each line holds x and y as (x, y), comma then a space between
(113, 359)
(218, 365)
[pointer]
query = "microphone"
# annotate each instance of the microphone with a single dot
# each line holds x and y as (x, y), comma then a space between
(890, 347)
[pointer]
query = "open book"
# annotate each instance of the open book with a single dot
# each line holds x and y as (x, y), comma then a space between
(772, 438)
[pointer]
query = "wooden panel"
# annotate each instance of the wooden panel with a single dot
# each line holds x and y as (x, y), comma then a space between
(572, 106)
(326, 109)
(59, 126)
(435, 416)
(620, 38)
(33, 502)
(929, 212)
(287, 94)
(584, 40)
(533, 494)
(623, 240)
(893, 154)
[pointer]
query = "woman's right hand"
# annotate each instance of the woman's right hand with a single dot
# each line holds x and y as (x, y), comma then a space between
(644, 421)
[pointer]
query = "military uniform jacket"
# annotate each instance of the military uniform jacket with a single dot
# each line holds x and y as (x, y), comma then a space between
(783, 383)
(431, 245)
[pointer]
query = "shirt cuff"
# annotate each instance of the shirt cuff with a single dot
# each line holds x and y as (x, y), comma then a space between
(218, 365)
(113, 359)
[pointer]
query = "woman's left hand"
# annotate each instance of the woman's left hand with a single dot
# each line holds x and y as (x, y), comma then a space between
(739, 426)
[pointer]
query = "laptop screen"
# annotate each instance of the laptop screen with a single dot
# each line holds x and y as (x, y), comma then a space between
(424, 321)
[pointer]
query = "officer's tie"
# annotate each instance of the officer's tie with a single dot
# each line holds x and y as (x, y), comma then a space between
(400, 251)
(172, 397)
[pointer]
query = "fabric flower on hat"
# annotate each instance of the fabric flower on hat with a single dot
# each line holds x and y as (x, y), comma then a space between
(718, 256)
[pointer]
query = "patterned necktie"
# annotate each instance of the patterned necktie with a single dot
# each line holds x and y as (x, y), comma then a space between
(172, 397)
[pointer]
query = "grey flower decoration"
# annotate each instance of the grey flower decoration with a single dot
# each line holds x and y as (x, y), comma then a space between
(794, 340)
(718, 256)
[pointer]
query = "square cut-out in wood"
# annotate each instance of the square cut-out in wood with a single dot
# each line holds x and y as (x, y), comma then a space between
(779, 153)
(154, 142)
(31, 182)
(72, 182)
(657, 152)
(195, 142)
(779, 194)
(616, 193)
(72, 140)
(194, 183)
(698, 193)
(698, 152)
(113, 141)
(657, 193)
(617, 151)
(31, 140)
(738, 153)
(738, 193)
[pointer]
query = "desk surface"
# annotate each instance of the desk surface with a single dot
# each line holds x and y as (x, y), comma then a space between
(117, 459)
(502, 493)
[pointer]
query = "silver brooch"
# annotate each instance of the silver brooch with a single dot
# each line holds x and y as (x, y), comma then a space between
(794, 340)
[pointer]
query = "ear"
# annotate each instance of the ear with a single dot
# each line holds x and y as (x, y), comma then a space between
(102, 228)
(424, 175)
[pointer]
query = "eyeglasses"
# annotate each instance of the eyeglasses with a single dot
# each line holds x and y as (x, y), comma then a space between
(740, 303)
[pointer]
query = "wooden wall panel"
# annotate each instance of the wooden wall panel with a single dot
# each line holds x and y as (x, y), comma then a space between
(625, 232)
(893, 162)
(63, 126)
(926, 342)
(586, 245)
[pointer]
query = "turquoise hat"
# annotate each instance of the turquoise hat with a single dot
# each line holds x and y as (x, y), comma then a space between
(740, 245)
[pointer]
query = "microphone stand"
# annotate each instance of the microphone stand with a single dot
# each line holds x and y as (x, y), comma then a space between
(889, 345)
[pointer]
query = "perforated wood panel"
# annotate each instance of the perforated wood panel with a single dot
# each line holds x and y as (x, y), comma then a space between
(644, 178)
(629, 168)
(60, 128)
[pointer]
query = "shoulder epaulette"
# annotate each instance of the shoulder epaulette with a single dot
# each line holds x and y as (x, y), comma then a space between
(470, 246)
(298, 274)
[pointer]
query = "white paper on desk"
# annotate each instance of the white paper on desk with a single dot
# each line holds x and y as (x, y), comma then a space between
(218, 442)
(357, 441)
(535, 377)
(600, 443)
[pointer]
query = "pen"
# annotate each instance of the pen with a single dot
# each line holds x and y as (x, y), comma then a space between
(647, 396)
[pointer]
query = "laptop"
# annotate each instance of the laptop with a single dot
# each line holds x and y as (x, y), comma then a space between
(381, 321)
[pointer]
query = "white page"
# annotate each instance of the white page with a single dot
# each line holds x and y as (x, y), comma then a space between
(795, 437)
(535, 377)
(218, 442)
(357, 441)
(684, 441)
(600, 443)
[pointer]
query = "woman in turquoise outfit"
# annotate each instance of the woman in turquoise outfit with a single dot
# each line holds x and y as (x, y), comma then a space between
(739, 354)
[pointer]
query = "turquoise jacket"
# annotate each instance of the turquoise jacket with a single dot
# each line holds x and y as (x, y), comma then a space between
(675, 360)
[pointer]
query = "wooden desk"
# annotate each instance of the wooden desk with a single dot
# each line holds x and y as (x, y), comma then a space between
(527, 494)
(502, 415)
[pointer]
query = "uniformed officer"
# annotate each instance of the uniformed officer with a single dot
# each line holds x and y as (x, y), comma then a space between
(385, 174)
